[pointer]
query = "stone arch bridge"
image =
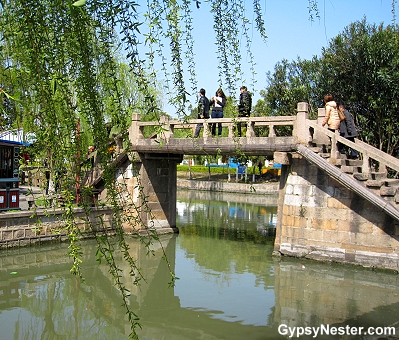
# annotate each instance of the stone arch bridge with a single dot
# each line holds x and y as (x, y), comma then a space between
(330, 207)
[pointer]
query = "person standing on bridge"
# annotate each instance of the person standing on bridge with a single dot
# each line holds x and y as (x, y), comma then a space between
(347, 129)
(218, 102)
(332, 118)
(203, 111)
(244, 107)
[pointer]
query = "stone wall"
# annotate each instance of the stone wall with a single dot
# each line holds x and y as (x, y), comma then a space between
(242, 188)
(25, 228)
(321, 219)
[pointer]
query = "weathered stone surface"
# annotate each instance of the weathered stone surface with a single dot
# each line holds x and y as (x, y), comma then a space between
(391, 182)
(347, 169)
(281, 158)
(323, 220)
(23, 230)
(388, 191)
(373, 183)
(360, 176)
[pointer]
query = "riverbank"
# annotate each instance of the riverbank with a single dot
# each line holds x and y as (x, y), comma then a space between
(242, 188)
(263, 185)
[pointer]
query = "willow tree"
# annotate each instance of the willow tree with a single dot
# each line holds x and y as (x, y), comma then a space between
(61, 79)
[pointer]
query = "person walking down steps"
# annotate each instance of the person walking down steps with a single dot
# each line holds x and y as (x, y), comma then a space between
(347, 129)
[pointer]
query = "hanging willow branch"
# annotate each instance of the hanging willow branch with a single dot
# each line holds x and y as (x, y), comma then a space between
(260, 24)
(63, 74)
(313, 9)
(189, 53)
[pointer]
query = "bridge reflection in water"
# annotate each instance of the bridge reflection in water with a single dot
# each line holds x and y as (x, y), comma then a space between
(229, 288)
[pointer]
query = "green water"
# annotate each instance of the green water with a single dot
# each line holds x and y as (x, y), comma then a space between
(229, 287)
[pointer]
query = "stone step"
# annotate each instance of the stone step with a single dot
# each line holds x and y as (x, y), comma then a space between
(389, 199)
(388, 191)
(392, 182)
(347, 169)
(360, 176)
(316, 149)
(354, 162)
(374, 183)
(325, 154)
(337, 161)
(375, 175)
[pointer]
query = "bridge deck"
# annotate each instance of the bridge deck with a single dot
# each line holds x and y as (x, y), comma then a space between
(263, 138)
(253, 146)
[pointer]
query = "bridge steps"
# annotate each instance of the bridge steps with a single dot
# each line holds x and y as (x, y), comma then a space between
(376, 181)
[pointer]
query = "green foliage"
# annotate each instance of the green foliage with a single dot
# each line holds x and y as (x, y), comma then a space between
(62, 58)
(362, 68)
(71, 74)
(359, 67)
(202, 168)
(291, 82)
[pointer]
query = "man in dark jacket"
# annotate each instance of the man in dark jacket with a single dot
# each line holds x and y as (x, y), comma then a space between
(244, 106)
(203, 111)
(348, 130)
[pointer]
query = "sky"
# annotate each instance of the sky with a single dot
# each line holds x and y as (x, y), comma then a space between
(290, 33)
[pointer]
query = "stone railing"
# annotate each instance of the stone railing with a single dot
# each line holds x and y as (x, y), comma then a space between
(368, 153)
(374, 169)
(168, 127)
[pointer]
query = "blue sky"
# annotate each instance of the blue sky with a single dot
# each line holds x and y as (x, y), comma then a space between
(290, 35)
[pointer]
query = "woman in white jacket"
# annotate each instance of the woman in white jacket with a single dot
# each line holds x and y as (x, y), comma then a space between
(332, 118)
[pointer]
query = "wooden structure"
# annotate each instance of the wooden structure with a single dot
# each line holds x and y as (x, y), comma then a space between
(9, 175)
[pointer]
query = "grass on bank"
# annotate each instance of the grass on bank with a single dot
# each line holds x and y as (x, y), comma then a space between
(214, 169)
(205, 173)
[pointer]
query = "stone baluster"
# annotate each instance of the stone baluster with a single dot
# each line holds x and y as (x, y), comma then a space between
(135, 131)
(231, 129)
(334, 147)
(382, 168)
(207, 130)
(250, 129)
(366, 165)
(119, 144)
(167, 128)
(272, 130)
(300, 128)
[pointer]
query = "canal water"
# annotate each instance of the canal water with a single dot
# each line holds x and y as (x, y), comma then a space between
(229, 287)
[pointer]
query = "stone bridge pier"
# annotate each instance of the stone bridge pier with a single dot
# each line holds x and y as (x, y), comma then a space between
(321, 219)
(157, 187)
(158, 176)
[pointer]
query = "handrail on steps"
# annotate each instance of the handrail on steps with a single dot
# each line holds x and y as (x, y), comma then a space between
(348, 181)
(367, 151)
